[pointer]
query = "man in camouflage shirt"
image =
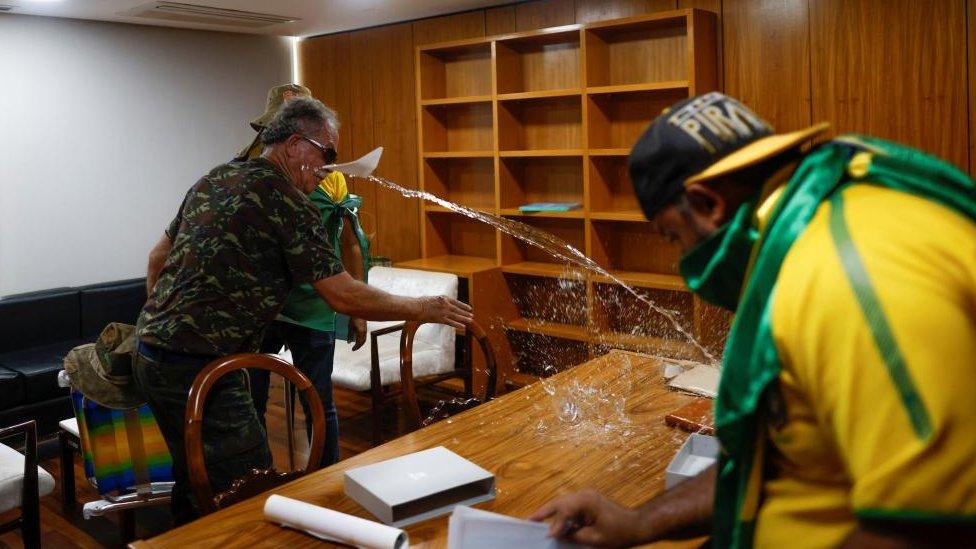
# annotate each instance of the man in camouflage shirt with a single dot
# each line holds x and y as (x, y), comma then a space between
(245, 235)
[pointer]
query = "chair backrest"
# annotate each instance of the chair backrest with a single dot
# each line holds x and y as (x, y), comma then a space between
(254, 482)
(415, 283)
(449, 408)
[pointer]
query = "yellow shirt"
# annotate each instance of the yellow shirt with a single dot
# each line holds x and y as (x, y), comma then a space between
(847, 447)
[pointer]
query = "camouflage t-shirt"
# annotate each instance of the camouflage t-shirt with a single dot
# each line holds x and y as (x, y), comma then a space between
(243, 238)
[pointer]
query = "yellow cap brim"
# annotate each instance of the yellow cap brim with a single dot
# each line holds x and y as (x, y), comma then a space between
(757, 151)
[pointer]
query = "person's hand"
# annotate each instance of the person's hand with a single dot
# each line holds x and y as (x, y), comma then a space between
(441, 309)
(357, 328)
(591, 519)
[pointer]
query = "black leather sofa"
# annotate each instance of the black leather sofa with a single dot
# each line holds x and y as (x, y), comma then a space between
(38, 329)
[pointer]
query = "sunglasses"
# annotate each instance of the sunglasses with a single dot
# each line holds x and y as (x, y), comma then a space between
(329, 154)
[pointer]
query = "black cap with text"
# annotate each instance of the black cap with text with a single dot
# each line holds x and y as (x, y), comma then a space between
(686, 139)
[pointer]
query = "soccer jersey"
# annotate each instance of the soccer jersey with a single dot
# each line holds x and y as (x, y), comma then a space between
(861, 433)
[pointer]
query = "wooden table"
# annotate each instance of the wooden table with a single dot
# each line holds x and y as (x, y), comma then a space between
(520, 437)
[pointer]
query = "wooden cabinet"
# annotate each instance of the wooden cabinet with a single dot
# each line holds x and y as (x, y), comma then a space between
(550, 116)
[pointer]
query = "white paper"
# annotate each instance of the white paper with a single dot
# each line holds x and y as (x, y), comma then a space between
(332, 525)
(700, 380)
(361, 167)
(470, 528)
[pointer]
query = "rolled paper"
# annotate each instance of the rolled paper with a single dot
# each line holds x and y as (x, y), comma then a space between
(332, 525)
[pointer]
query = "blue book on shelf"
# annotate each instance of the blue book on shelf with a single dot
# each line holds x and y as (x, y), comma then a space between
(549, 207)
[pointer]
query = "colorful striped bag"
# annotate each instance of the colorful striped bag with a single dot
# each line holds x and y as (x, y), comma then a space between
(122, 449)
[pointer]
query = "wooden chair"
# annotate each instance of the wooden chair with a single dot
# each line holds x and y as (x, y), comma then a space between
(23, 491)
(256, 481)
(409, 383)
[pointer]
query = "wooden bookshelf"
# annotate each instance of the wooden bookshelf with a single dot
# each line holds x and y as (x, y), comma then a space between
(550, 116)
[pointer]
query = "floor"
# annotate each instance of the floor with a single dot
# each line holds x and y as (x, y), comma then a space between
(67, 527)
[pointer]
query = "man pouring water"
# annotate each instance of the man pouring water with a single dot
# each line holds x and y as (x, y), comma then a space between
(845, 408)
(244, 237)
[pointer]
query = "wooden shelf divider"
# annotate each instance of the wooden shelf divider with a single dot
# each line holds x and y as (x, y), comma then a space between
(539, 268)
(459, 154)
(620, 215)
(541, 153)
(645, 280)
(433, 208)
(553, 329)
(461, 265)
(642, 87)
(540, 94)
(515, 212)
(461, 100)
(609, 152)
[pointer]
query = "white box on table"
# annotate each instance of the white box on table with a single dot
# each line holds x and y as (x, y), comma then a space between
(418, 486)
(698, 453)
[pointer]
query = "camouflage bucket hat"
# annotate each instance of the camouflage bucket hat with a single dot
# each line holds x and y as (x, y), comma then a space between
(102, 371)
(276, 96)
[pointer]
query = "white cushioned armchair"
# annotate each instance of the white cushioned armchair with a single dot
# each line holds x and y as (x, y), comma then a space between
(375, 367)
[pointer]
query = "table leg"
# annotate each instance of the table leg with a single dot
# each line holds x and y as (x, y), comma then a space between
(127, 525)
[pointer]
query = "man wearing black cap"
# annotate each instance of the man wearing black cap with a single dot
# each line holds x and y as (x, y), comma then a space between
(845, 408)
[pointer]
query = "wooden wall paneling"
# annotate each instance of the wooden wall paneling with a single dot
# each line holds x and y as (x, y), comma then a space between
(310, 57)
(333, 52)
(449, 27)
(971, 34)
(394, 127)
(540, 14)
(767, 59)
(894, 69)
(361, 81)
(588, 11)
(500, 20)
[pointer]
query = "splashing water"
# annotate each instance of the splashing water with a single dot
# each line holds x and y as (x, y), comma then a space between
(592, 415)
(548, 243)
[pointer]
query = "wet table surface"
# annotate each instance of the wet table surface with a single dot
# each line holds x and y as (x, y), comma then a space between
(599, 425)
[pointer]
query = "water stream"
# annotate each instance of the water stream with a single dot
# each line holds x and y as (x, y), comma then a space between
(595, 415)
(548, 243)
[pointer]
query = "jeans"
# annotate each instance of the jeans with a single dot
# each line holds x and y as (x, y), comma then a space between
(313, 352)
(234, 442)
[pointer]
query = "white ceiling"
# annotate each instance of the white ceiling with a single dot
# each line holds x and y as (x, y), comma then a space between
(313, 16)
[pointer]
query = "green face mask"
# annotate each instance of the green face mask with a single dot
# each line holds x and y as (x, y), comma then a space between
(716, 268)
